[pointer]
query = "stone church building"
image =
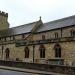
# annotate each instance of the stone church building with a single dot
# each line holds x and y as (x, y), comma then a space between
(37, 42)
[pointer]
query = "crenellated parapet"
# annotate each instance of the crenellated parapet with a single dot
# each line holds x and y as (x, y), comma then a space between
(3, 14)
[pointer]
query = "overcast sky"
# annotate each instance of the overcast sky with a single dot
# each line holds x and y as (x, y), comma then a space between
(26, 11)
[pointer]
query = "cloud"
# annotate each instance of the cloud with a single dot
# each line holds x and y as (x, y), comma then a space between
(25, 11)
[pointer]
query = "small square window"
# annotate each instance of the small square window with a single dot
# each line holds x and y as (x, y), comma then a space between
(56, 35)
(72, 33)
(43, 37)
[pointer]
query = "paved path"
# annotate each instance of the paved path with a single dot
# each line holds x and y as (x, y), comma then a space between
(9, 72)
(29, 71)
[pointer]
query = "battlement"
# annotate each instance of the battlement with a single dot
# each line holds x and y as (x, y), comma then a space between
(3, 14)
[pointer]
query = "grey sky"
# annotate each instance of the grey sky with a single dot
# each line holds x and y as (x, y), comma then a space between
(26, 11)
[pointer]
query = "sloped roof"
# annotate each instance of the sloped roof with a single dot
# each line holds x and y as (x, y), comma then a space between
(24, 28)
(68, 21)
(18, 30)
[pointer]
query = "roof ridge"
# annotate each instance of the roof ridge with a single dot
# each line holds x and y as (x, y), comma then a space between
(61, 19)
(23, 25)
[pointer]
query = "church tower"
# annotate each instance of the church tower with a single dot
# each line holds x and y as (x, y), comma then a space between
(3, 21)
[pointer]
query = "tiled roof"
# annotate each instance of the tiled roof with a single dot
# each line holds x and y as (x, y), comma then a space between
(68, 21)
(44, 27)
(18, 30)
(23, 28)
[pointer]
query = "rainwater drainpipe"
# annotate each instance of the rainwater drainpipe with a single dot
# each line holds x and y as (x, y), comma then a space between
(2, 52)
(33, 53)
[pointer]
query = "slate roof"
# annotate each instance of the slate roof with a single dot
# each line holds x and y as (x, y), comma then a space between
(24, 28)
(68, 21)
(18, 30)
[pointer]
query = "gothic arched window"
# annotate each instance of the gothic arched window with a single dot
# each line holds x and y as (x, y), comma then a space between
(42, 51)
(57, 49)
(26, 52)
(7, 51)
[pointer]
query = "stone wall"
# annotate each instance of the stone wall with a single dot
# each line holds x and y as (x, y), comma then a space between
(68, 47)
(66, 32)
(4, 21)
(48, 35)
(68, 70)
(68, 53)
